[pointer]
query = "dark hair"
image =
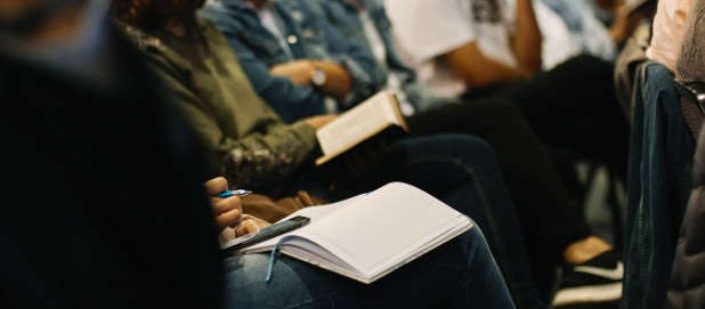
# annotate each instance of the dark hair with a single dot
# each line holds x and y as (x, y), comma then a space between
(152, 15)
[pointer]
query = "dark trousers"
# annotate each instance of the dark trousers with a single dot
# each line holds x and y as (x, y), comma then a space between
(574, 107)
(548, 216)
(461, 170)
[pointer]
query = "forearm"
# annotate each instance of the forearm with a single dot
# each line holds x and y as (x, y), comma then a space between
(526, 41)
(338, 81)
(261, 161)
(477, 70)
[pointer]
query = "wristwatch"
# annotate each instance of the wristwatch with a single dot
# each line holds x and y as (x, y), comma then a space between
(319, 77)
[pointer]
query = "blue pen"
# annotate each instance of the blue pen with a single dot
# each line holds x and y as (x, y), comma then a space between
(238, 192)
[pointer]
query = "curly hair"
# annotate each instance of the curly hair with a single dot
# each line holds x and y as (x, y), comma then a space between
(155, 14)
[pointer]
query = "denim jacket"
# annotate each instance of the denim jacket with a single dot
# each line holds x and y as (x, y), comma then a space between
(344, 17)
(308, 37)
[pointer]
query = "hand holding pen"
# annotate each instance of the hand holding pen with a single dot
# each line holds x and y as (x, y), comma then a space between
(226, 204)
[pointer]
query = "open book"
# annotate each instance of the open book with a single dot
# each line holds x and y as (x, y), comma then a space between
(369, 236)
(363, 122)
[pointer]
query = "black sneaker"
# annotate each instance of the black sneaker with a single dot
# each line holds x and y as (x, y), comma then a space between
(596, 283)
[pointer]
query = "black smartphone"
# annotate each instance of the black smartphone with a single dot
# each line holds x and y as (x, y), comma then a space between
(270, 232)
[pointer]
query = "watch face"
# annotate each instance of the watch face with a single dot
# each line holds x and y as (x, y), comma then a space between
(319, 77)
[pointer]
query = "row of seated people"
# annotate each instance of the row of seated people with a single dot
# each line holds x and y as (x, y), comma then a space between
(275, 152)
(253, 83)
(226, 105)
(282, 46)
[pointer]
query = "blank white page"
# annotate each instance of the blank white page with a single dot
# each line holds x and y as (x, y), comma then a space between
(384, 228)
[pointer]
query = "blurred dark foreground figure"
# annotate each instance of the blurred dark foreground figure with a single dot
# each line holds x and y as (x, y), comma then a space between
(103, 204)
(101, 199)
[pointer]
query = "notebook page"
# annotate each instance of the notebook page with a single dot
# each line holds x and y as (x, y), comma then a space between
(383, 228)
(463, 225)
(315, 213)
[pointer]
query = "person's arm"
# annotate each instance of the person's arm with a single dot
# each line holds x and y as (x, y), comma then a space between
(301, 72)
(254, 161)
(291, 100)
(350, 54)
(476, 69)
(526, 39)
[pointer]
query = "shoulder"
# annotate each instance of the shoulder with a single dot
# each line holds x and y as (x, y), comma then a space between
(231, 17)
(158, 55)
(143, 41)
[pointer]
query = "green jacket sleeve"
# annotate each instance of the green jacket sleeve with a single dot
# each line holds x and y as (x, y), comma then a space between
(258, 161)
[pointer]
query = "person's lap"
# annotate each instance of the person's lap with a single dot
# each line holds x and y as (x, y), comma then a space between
(459, 274)
(461, 170)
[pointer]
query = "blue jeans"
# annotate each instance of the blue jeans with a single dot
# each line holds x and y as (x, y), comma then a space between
(461, 170)
(459, 274)
(661, 149)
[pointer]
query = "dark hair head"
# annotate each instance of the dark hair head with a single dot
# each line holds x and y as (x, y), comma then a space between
(150, 15)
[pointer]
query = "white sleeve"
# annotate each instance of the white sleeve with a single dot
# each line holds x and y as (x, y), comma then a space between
(425, 29)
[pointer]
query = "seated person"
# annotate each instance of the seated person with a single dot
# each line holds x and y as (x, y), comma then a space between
(520, 154)
(118, 228)
(104, 205)
(259, 151)
(449, 273)
(481, 48)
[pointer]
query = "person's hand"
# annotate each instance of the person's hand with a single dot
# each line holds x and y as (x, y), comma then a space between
(228, 211)
(318, 122)
(299, 72)
(250, 225)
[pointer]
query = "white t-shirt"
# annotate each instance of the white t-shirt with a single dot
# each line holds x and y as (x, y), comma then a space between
(426, 29)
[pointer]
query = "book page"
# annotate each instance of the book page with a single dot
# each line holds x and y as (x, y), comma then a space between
(358, 124)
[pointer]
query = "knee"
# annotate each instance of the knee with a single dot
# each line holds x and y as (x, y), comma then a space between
(505, 111)
(470, 149)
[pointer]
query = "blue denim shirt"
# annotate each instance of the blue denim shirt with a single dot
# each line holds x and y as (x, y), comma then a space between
(343, 15)
(308, 37)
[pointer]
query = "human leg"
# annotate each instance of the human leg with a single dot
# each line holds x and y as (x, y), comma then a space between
(574, 106)
(532, 181)
(462, 171)
(459, 274)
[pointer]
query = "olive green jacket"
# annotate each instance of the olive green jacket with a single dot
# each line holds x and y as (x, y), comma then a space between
(249, 142)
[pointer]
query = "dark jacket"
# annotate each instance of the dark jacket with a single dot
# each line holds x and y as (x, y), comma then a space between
(102, 200)
(687, 287)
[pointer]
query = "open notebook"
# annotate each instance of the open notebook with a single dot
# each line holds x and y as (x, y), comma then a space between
(370, 118)
(369, 236)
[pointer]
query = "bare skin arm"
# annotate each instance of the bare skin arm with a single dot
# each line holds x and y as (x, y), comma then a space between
(478, 70)
(526, 42)
(338, 82)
